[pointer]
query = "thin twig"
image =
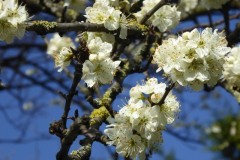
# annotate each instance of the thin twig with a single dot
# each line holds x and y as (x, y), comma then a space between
(226, 20)
(154, 9)
(71, 93)
(167, 90)
(216, 23)
(210, 20)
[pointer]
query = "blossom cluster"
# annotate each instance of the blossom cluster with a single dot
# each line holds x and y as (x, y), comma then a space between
(139, 124)
(59, 49)
(232, 67)
(103, 12)
(56, 43)
(12, 17)
(165, 18)
(232, 72)
(100, 68)
(63, 58)
(194, 59)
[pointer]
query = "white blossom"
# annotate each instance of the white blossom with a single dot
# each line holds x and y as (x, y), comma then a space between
(63, 58)
(100, 68)
(131, 146)
(98, 49)
(165, 18)
(113, 21)
(168, 110)
(152, 86)
(12, 18)
(99, 13)
(232, 67)
(131, 110)
(146, 122)
(121, 135)
(117, 131)
(56, 43)
(135, 92)
(102, 13)
(99, 71)
(187, 6)
(194, 59)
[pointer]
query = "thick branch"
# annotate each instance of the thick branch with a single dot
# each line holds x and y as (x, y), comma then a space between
(76, 128)
(83, 153)
(45, 27)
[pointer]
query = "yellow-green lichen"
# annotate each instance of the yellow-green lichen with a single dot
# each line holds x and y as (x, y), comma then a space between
(79, 154)
(45, 25)
(132, 23)
(99, 114)
(106, 98)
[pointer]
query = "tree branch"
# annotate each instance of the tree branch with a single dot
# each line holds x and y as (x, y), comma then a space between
(78, 127)
(168, 89)
(45, 27)
(71, 93)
